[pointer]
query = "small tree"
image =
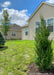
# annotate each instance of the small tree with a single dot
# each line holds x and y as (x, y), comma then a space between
(5, 23)
(2, 41)
(43, 48)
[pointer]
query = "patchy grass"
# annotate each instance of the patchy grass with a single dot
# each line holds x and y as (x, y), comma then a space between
(16, 57)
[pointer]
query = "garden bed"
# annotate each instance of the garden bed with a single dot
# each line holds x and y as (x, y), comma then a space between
(34, 70)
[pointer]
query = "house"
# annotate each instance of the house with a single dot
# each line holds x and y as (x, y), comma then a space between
(47, 11)
(14, 32)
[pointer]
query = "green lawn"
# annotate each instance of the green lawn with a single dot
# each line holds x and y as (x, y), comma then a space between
(15, 59)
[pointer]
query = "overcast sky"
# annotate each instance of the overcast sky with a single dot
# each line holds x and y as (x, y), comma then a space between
(20, 10)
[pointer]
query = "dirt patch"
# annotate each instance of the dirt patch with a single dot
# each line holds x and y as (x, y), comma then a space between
(34, 70)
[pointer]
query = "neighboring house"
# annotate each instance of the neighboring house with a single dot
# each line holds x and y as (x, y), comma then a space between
(14, 32)
(47, 11)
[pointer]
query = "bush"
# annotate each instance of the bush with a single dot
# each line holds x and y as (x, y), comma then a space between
(43, 48)
(2, 41)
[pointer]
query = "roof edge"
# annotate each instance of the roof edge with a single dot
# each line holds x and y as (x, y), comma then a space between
(24, 26)
(39, 8)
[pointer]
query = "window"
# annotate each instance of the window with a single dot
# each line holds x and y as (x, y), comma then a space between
(13, 33)
(45, 22)
(37, 24)
(50, 28)
(50, 22)
(26, 31)
(6, 34)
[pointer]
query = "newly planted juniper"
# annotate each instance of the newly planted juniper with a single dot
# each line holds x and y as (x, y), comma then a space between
(43, 48)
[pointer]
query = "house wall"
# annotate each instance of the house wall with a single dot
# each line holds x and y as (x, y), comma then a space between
(16, 29)
(24, 37)
(18, 35)
(47, 11)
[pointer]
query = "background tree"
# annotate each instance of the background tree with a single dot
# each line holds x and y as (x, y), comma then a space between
(5, 22)
(43, 48)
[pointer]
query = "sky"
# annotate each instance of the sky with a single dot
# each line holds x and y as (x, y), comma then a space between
(20, 10)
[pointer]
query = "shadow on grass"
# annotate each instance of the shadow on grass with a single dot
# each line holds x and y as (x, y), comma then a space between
(3, 48)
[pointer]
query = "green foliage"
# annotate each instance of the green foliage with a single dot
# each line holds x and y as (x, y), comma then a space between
(2, 41)
(5, 22)
(43, 48)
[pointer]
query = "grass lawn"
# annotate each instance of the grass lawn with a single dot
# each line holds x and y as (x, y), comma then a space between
(15, 59)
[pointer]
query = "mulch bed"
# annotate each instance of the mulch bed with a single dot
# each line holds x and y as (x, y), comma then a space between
(34, 70)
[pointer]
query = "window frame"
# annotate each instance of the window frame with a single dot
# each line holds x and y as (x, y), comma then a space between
(36, 27)
(37, 24)
(48, 20)
(26, 31)
(13, 33)
(50, 24)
